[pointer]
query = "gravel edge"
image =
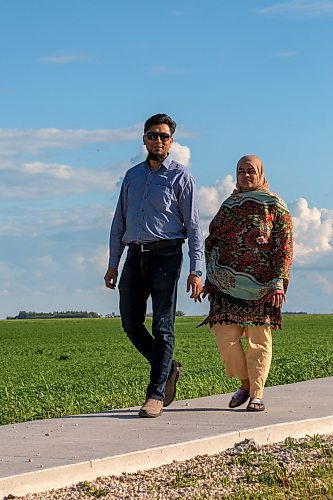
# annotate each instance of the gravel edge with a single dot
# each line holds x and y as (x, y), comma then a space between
(247, 466)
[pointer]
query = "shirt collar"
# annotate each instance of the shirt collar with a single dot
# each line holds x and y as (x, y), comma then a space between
(167, 162)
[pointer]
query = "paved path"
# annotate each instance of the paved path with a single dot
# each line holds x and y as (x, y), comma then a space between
(45, 454)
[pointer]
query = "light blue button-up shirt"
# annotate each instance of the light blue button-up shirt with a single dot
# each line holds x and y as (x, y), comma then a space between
(154, 205)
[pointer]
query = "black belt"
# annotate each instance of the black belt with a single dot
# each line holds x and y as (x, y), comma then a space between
(153, 245)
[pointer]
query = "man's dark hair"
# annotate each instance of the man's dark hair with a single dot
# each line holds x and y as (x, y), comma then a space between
(159, 119)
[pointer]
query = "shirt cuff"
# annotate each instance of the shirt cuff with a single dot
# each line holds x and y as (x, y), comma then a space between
(114, 262)
(195, 265)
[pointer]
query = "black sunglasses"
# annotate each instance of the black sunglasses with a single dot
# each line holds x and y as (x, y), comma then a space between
(152, 136)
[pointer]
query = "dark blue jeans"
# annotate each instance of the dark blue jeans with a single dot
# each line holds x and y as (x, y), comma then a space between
(156, 273)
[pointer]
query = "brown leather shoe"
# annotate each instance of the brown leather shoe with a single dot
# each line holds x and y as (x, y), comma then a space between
(170, 388)
(151, 409)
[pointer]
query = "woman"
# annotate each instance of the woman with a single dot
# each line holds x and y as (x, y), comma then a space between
(248, 258)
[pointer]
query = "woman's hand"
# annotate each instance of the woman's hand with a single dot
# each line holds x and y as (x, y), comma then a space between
(277, 299)
(204, 292)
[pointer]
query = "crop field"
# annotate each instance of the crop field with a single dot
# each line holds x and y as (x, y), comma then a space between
(60, 367)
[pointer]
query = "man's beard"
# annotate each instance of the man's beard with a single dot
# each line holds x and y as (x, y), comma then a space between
(154, 157)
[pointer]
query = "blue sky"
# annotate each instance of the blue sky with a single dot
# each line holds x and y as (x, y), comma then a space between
(78, 79)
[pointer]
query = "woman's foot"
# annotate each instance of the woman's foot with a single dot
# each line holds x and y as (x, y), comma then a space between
(255, 404)
(239, 398)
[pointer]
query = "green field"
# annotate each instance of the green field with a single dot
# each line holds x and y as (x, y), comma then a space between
(59, 367)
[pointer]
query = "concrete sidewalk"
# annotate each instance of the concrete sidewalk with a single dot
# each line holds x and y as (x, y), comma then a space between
(42, 455)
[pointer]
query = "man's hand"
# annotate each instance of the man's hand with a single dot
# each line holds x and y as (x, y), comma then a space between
(194, 284)
(110, 278)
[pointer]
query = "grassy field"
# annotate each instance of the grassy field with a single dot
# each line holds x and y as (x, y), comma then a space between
(59, 367)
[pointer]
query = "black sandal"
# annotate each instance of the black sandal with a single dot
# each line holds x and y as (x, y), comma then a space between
(239, 398)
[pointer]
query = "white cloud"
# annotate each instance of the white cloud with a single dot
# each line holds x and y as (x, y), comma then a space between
(182, 132)
(9, 276)
(100, 257)
(19, 141)
(53, 170)
(141, 156)
(48, 180)
(69, 253)
(306, 8)
(286, 54)
(65, 248)
(325, 283)
(45, 260)
(35, 223)
(310, 291)
(180, 153)
(42, 180)
(79, 260)
(313, 234)
(167, 70)
(63, 58)
(211, 197)
(96, 257)
(15, 141)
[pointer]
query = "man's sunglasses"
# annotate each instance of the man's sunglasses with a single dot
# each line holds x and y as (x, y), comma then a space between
(152, 136)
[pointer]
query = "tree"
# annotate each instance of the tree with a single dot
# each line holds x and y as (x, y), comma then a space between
(180, 313)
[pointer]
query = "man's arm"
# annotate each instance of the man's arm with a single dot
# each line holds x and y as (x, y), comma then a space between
(189, 209)
(116, 246)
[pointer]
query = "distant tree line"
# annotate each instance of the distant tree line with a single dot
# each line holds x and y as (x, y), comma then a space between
(294, 312)
(54, 315)
(178, 313)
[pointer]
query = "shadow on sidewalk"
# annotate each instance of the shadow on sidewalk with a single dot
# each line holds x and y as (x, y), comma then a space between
(133, 414)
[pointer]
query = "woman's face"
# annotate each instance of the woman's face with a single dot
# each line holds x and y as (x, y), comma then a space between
(247, 177)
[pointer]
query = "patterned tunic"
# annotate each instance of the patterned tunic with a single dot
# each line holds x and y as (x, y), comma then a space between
(248, 258)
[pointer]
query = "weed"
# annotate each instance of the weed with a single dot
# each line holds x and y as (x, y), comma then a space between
(315, 441)
(275, 476)
(224, 481)
(184, 480)
(247, 457)
(291, 443)
(93, 491)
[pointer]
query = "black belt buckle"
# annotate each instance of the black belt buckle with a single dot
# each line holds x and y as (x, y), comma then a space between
(154, 245)
(143, 249)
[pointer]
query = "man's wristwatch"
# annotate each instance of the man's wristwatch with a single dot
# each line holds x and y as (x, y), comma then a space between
(196, 273)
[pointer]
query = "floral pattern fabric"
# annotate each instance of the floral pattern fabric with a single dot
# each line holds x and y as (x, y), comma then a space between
(248, 258)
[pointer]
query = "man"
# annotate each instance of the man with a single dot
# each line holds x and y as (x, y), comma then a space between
(156, 211)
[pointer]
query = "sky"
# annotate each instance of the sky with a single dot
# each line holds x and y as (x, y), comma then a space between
(79, 79)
